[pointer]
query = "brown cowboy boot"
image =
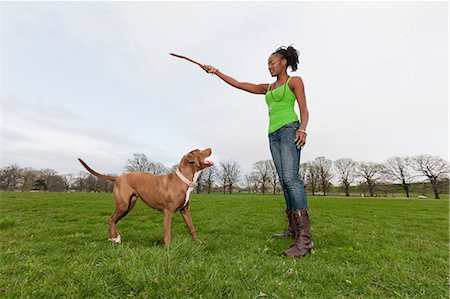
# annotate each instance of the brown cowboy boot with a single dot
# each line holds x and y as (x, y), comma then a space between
(302, 244)
(288, 232)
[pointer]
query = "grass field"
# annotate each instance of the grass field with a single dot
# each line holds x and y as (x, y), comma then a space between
(54, 245)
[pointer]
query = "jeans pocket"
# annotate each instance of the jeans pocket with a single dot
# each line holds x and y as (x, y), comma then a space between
(294, 125)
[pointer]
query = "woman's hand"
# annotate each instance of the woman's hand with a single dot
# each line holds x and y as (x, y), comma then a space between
(300, 138)
(209, 69)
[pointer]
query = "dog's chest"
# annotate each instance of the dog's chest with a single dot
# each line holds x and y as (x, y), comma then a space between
(190, 189)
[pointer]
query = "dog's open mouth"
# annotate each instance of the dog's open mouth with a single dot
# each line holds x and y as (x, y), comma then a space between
(208, 163)
(206, 153)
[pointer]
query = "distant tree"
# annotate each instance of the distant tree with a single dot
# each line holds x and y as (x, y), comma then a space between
(79, 183)
(68, 180)
(223, 178)
(229, 174)
(370, 173)
(199, 184)
(173, 168)
(106, 186)
(255, 180)
(10, 177)
(325, 174)
(312, 175)
(345, 169)
(262, 173)
(40, 185)
(141, 163)
(434, 169)
(398, 170)
(29, 177)
(304, 173)
(52, 179)
(251, 182)
(274, 180)
(209, 175)
(93, 184)
(158, 168)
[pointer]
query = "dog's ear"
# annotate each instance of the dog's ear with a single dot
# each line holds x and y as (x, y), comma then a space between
(192, 158)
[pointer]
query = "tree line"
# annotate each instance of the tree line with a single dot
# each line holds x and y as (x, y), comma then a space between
(349, 176)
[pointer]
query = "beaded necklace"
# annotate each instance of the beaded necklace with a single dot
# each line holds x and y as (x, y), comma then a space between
(273, 98)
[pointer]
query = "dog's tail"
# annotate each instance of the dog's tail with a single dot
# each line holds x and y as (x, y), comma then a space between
(102, 176)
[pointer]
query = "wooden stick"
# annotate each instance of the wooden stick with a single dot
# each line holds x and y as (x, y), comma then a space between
(187, 58)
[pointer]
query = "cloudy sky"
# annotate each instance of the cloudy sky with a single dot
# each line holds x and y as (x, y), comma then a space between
(95, 80)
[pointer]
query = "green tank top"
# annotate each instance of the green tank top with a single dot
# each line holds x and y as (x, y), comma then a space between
(280, 102)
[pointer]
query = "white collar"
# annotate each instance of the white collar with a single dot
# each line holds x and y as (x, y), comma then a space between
(184, 179)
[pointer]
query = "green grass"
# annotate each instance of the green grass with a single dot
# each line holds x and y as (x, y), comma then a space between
(54, 245)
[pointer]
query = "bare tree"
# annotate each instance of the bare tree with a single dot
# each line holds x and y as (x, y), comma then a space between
(262, 173)
(325, 174)
(255, 180)
(68, 180)
(199, 184)
(29, 177)
(158, 168)
(84, 181)
(140, 162)
(345, 169)
(10, 177)
(93, 184)
(304, 173)
(398, 169)
(370, 173)
(434, 169)
(312, 175)
(208, 177)
(251, 182)
(274, 180)
(229, 174)
(52, 179)
(79, 183)
(223, 179)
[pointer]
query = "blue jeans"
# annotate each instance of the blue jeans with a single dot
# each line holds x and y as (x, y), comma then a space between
(286, 157)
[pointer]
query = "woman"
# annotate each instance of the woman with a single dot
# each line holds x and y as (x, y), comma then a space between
(286, 137)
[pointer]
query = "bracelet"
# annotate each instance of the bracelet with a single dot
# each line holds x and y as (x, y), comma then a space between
(303, 131)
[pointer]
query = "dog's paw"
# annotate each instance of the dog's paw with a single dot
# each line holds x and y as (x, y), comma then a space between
(116, 240)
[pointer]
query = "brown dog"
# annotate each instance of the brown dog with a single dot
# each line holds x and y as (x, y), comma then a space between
(166, 193)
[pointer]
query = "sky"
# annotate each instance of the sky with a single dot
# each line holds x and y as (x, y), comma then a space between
(95, 80)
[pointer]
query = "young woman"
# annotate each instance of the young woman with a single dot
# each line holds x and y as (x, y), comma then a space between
(287, 135)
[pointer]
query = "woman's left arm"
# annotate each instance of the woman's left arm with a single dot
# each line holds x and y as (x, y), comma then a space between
(296, 85)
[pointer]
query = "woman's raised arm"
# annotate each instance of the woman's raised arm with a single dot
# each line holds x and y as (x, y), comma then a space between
(249, 87)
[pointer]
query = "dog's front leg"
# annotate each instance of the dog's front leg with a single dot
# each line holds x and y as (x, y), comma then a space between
(167, 224)
(188, 220)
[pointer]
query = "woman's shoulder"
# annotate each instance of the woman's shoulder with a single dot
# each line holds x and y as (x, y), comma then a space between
(295, 81)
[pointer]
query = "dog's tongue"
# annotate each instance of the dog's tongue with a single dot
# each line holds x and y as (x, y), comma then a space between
(209, 163)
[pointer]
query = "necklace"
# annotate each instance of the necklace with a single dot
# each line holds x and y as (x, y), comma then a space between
(273, 98)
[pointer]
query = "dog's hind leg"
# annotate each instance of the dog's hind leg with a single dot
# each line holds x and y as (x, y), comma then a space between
(125, 199)
(188, 220)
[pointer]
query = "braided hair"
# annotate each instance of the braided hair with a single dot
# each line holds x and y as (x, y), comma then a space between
(290, 54)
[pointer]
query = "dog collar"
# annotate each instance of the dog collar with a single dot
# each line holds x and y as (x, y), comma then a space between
(184, 179)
